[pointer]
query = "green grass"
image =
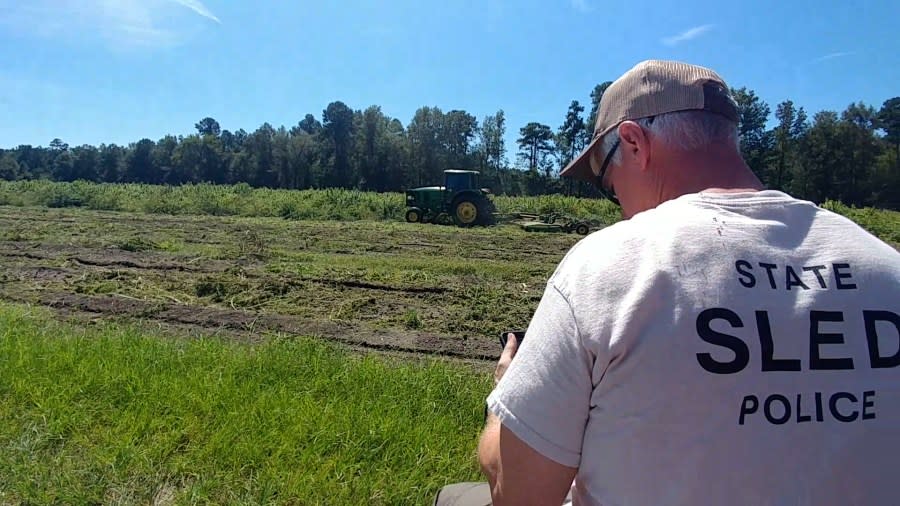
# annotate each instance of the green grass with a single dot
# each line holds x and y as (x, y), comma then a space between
(242, 200)
(111, 414)
(330, 204)
(883, 224)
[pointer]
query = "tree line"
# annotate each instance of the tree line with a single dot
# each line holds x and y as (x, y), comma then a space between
(853, 156)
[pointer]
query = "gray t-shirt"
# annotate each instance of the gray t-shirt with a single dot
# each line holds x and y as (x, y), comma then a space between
(719, 349)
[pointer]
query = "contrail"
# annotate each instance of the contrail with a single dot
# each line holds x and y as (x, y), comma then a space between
(199, 8)
(687, 35)
(833, 55)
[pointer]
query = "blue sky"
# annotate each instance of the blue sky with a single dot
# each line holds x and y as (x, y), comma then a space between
(93, 71)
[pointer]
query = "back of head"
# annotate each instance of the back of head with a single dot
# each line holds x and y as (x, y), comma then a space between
(657, 89)
(684, 131)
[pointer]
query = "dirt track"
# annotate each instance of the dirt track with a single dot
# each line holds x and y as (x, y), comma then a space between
(397, 287)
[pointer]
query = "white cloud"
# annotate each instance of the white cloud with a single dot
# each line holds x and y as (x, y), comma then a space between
(689, 34)
(581, 5)
(832, 55)
(119, 23)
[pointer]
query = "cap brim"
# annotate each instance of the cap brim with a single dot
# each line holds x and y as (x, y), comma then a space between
(580, 167)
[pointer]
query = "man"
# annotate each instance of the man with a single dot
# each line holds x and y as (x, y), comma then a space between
(725, 344)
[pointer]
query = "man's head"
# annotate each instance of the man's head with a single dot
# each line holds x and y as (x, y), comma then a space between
(663, 129)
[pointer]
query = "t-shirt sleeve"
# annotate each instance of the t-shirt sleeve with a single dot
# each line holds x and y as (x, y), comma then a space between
(544, 396)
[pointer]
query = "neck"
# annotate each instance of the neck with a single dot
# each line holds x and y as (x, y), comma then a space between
(713, 169)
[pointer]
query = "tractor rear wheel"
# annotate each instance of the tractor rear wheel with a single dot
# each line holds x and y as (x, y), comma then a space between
(465, 212)
(413, 215)
(487, 209)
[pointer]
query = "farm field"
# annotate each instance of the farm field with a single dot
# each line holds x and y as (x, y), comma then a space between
(386, 285)
(373, 283)
(194, 362)
(248, 346)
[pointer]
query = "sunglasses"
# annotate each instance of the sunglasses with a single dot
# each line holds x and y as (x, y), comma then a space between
(611, 192)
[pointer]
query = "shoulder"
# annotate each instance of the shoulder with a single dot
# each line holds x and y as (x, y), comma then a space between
(622, 251)
(620, 241)
(690, 227)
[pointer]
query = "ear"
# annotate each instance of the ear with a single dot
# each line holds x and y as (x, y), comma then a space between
(635, 144)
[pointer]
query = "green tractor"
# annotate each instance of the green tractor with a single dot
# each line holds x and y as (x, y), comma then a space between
(460, 200)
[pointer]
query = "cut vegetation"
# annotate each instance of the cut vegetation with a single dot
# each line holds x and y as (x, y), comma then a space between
(356, 282)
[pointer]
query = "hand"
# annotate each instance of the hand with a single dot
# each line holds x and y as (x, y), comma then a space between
(509, 352)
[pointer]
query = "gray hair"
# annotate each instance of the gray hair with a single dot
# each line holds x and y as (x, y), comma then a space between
(683, 130)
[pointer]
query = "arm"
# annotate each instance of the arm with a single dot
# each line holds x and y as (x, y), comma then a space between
(516, 472)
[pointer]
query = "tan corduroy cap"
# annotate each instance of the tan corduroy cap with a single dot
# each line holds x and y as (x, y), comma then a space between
(651, 88)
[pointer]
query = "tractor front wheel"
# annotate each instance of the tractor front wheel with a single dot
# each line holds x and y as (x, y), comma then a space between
(413, 215)
(582, 229)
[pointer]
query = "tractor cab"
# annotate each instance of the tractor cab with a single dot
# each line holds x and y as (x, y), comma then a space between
(456, 180)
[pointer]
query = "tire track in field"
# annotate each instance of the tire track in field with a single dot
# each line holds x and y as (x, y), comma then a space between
(253, 324)
(110, 257)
